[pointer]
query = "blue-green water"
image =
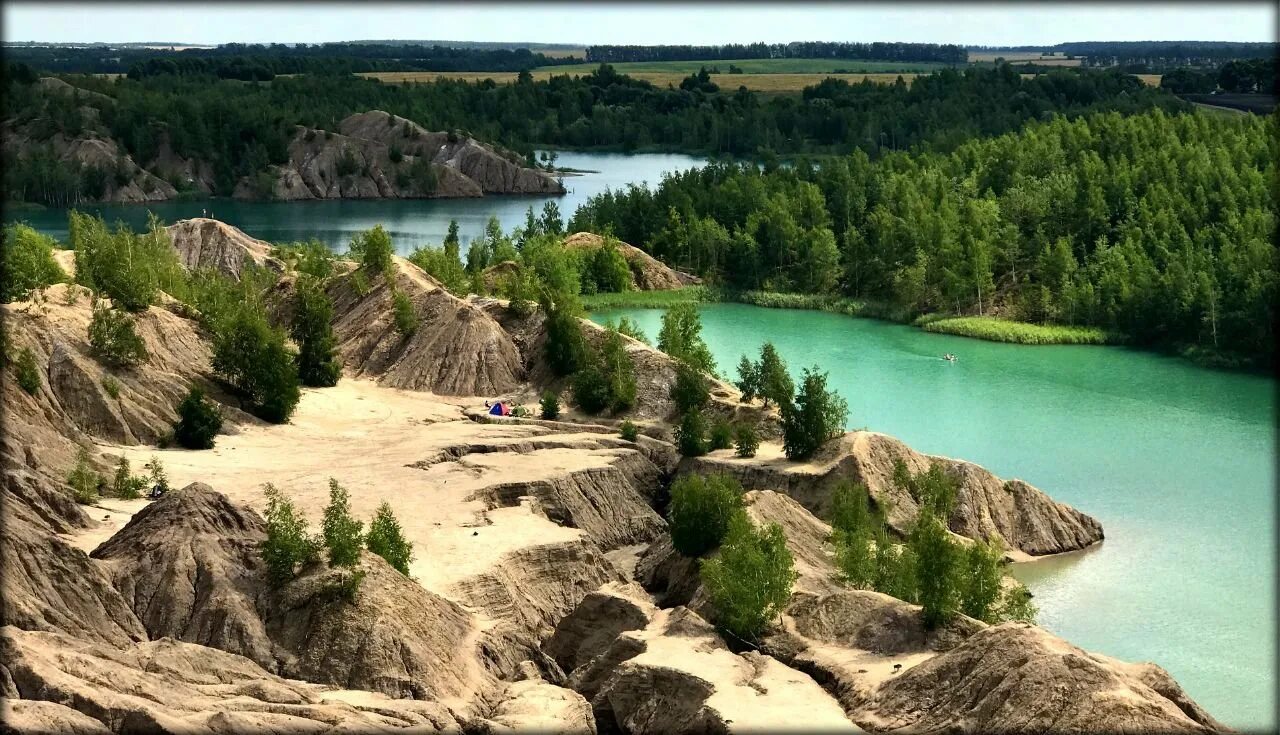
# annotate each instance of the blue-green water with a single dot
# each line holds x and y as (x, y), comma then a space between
(411, 222)
(1175, 461)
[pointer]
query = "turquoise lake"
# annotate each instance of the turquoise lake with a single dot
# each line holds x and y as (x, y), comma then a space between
(1174, 460)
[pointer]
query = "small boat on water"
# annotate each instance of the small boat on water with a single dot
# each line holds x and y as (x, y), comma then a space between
(949, 357)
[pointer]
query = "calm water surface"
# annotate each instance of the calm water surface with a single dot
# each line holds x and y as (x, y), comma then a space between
(411, 222)
(1175, 461)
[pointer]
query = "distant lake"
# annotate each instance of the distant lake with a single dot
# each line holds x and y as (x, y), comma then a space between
(411, 222)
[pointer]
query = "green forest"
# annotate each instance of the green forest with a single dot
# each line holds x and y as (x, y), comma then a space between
(242, 127)
(1158, 227)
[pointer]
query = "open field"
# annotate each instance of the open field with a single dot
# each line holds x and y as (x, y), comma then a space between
(757, 66)
(560, 53)
(753, 82)
(1038, 57)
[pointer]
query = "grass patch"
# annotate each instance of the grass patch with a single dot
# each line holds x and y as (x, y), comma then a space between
(1003, 330)
(648, 299)
(820, 302)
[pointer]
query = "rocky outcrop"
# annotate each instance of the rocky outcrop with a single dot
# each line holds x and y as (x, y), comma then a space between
(647, 273)
(123, 180)
(1016, 677)
(456, 350)
(492, 171)
(374, 155)
(669, 671)
(75, 400)
(1029, 522)
(190, 567)
(527, 593)
(208, 243)
(52, 586)
(327, 165)
(53, 681)
(610, 504)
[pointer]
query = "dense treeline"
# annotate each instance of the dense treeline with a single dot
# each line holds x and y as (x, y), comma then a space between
(1241, 77)
(242, 128)
(1152, 55)
(1155, 226)
(1159, 55)
(333, 58)
(879, 51)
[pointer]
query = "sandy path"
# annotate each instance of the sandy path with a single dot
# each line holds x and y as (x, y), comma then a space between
(368, 437)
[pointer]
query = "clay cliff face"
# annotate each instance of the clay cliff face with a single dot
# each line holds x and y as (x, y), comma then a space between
(1029, 522)
(493, 171)
(317, 167)
(456, 349)
(207, 243)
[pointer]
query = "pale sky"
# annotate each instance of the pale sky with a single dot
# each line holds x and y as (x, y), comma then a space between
(969, 23)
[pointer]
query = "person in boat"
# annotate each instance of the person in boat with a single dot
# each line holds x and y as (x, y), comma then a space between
(949, 357)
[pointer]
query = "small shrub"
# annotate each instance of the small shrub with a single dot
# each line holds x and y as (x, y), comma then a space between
(630, 328)
(113, 338)
(681, 337)
(373, 249)
(937, 571)
(591, 386)
(253, 357)
(359, 284)
(111, 386)
(387, 540)
(125, 484)
(27, 372)
(341, 532)
(288, 543)
(550, 406)
(772, 381)
(700, 511)
(199, 420)
(628, 431)
(690, 392)
(405, 318)
(158, 479)
(721, 436)
(745, 440)
(27, 262)
(691, 434)
(84, 481)
(1016, 604)
(980, 576)
(749, 582)
(312, 329)
(815, 417)
(347, 586)
(748, 381)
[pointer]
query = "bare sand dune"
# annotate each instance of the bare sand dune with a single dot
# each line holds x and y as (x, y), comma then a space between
(384, 444)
